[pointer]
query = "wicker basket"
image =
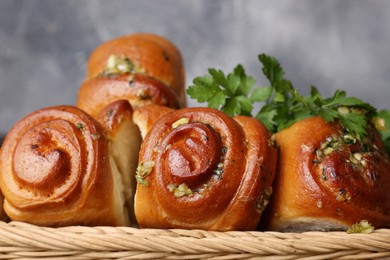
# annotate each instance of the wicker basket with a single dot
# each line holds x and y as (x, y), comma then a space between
(25, 241)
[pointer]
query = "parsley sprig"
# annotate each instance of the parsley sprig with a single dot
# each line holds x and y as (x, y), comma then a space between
(226, 92)
(286, 106)
(282, 105)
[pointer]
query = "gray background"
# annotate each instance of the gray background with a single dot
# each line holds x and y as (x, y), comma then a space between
(44, 44)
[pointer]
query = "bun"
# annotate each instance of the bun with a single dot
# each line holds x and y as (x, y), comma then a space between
(199, 168)
(152, 54)
(145, 117)
(96, 93)
(57, 170)
(327, 180)
(143, 68)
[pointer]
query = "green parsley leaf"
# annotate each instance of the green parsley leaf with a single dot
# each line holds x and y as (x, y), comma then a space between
(385, 132)
(229, 93)
(355, 123)
(267, 117)
(245, 105)
(352, 113)
(231, 107)
(206, 90)
(282, 104)
(246, 82)
(261, 94)
(217, 100)
(271, 68)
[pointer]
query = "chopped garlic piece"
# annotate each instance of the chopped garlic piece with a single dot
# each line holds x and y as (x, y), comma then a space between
(118, 65)
(343, 110)
(380, 123)
(143, 170)
(179, 191)
(111, 62)
(328, 150)
(362, 227)
(180, 122)
(358, 156)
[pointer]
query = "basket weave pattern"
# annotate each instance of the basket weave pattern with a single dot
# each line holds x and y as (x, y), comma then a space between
(21, 240)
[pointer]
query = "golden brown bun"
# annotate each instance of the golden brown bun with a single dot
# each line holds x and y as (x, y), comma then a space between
(145, 117)
(201, 169)
(325, 183)
(151, 54)
(55, 171)
(139, 90)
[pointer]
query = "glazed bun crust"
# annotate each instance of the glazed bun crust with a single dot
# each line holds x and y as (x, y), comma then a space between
(328, 181)
(55, 171)
(138, 89)
(151, 54)
(146, 116)
(201, 169)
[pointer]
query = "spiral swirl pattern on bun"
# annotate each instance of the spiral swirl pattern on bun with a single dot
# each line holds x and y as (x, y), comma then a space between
(55, 171)
(199, 168)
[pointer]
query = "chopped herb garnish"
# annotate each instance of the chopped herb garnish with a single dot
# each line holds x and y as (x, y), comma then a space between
(80, 126)
(219, 172)
(362, 227)
(95, 136)
(180, 190)
(117, 66)
(323, 175)
(143, 170)
(180, 122)
(262, 201)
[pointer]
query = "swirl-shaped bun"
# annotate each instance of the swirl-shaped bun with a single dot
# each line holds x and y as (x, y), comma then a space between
(142, 68)
(55, 171)
(327, 180)
(199, 168)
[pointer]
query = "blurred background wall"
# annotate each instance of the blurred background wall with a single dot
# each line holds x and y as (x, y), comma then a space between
(44, 44)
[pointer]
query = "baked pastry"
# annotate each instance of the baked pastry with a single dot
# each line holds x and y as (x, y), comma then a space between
(327, 180)
(146, 116)
(142, 68)
(96, 93)
(58, 167)
(199, 168)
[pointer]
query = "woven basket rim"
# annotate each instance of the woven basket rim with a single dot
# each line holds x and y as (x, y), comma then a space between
(22, 240)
